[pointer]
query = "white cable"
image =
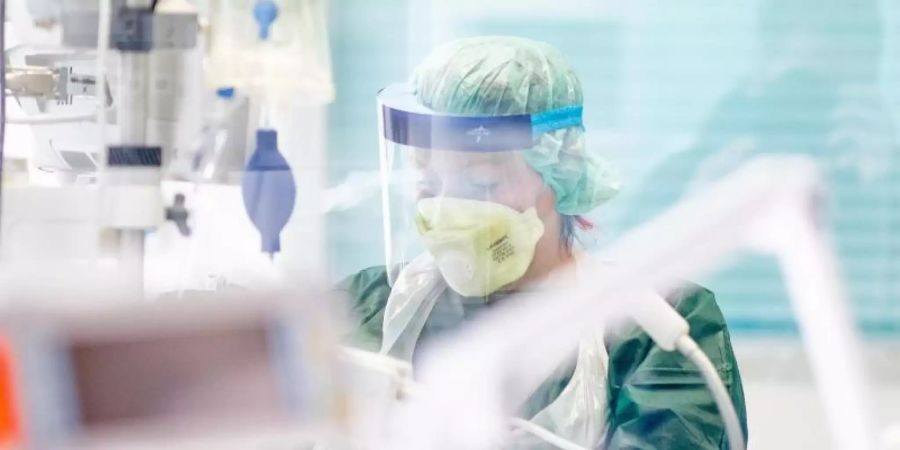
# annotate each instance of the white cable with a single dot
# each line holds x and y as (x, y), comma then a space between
(50, 119)
(544, 434)
(689, 348)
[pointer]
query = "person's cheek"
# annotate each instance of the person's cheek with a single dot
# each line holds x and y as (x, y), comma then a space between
(514, 195)
(546, 203)
(525, 195)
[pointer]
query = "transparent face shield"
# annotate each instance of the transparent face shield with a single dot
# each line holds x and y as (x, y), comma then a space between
(459, 189)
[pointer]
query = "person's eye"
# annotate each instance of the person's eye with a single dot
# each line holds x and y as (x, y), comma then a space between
(485, 188)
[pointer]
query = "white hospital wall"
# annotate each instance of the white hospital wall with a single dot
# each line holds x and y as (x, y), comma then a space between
(783, 406)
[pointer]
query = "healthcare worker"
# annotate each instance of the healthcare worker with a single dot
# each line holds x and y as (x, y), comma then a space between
(486, 177)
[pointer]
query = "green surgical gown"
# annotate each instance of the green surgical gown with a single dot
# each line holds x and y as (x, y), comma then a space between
(657, 399)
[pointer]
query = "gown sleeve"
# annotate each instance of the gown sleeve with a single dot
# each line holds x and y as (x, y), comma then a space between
(658, 399)
(366, 294)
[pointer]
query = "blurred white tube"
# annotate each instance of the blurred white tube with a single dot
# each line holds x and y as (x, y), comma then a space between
(474, 379)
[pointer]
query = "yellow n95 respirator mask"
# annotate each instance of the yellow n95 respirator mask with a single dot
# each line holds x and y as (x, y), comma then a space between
(478, 246)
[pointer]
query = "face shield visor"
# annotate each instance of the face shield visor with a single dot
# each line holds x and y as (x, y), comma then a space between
(460, 189)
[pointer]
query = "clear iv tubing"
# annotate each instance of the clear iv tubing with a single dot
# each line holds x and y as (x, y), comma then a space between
(266, 113)
(210, 144)
(198, 176)
(267, 104)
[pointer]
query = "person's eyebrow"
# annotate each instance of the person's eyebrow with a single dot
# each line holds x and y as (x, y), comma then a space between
(484, 160)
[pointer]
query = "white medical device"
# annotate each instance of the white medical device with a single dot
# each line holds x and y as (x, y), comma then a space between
(203, 371)
(135, 106)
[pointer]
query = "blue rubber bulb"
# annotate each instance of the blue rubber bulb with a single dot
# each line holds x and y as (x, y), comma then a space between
(269, 190)
(265, 12)
(225, 92)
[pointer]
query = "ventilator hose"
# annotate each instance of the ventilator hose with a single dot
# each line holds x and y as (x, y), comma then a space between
(689, 348)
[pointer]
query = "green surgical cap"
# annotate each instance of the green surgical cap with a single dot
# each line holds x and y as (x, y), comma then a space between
(495, 75)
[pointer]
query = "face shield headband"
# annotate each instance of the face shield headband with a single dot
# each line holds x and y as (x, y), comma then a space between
(406, 122)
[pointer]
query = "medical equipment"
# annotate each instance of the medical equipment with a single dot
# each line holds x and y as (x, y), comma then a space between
(223, 371)
(143, 109)
(223, 146)
(280, 54)
(269, 190)
(772, 205)
(131, 197)
(58, 67)
(142, 91)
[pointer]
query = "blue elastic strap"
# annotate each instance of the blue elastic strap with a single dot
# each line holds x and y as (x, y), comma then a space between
(557, 119)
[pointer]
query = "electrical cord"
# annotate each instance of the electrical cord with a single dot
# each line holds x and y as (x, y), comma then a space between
(689, 348)
(544, 434)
